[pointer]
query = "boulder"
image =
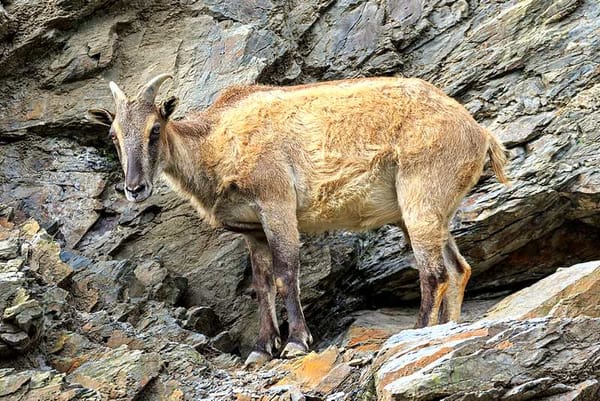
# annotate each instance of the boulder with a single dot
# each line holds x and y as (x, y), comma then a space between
(570, 292)
(369, 329)
(492, 360)
(154, 281)
(44, 258)
(9, 248)
(119, 374)
(203, 320)
(498, 358)
(223, 342)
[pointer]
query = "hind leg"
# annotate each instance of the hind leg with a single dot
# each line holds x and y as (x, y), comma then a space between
(433, 279)
(427, 237)
(426, 222)
(459, 273)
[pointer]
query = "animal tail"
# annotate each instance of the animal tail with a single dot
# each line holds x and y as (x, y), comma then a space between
(498, 159)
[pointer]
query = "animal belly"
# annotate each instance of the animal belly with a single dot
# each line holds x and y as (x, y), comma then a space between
(354, 208)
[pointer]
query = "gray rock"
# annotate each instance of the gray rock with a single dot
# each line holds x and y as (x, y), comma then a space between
(171, 290)
(150, 273)
(531, 359)
(9, 248)
(223, 342)
(10, 284)
(155, 281)
(203, 320)
(16, 340)
(37, 384)
(27, 316)
(99, 284)
(120, 374)
(44, 258)
(13, 265)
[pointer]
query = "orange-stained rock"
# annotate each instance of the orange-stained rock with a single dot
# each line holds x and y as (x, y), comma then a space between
(176, 395)
(504, 345)
(68, 351)
(30, 228)
(320, 373)
(310, 370)
(366, 339)
(412, 350)
(243, 397)
(371, 328)
(6, 224)
(413, 341)
(334, 378)
(119, 337)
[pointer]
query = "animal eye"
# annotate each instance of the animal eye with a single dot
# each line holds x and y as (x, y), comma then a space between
(155, 133)
(112, 134)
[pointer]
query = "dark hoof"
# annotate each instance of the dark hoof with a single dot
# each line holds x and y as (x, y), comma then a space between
(256, 359)
(294, 350)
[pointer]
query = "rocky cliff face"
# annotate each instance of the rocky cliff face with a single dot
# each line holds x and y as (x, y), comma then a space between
(528, 70)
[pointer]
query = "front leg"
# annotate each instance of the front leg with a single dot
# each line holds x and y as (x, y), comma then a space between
(281, 228)
(269, 340)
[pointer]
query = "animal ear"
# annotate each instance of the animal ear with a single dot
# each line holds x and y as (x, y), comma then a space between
(168, 107)
(100, 116)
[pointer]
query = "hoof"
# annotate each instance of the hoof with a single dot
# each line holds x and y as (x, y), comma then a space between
(293, 350)
(256, 359)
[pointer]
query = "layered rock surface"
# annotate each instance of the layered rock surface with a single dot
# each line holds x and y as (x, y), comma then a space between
(507, 360)
(528, 70)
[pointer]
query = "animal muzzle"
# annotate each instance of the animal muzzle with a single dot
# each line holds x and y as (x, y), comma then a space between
(138, 192)
(137, 187)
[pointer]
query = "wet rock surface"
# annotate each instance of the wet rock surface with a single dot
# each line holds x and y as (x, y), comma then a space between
(154, 277)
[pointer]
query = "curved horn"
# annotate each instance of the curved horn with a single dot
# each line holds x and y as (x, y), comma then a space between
(118, 94)
(150, 90)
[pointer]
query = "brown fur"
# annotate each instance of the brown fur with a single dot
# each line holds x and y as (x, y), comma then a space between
(356, 154)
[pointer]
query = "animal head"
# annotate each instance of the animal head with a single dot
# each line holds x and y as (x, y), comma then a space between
(136, 128)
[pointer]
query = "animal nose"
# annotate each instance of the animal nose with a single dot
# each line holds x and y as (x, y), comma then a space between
(136, 190)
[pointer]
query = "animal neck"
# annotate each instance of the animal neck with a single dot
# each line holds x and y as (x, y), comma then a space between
(186, 159)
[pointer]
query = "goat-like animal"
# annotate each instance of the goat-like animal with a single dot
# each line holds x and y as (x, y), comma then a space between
(271, 162)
